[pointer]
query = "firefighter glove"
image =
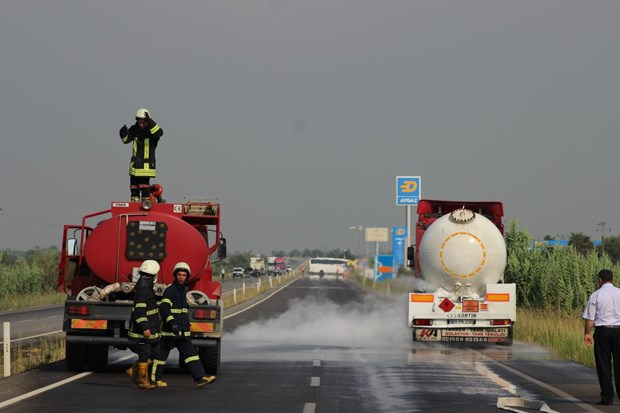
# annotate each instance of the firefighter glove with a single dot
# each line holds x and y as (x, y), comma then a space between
(175, 330)
(150, 123)
(123, 131)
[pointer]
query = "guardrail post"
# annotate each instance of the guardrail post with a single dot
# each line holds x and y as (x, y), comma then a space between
(244, 288)
(258, 286)
(6, 337)
(235, 295)
(270, 282)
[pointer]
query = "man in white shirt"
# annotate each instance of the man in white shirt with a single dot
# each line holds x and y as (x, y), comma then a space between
(603, 312)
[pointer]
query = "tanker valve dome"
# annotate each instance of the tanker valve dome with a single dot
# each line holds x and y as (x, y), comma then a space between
(462, 215)
(146, 204)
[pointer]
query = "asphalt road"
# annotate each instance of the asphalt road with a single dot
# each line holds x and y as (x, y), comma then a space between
(319, 346)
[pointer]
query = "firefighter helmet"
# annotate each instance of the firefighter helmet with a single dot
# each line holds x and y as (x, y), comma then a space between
(181, 266)
(149, 267)
(142, 113)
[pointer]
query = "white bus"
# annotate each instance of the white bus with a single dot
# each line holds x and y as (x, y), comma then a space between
(329, 267)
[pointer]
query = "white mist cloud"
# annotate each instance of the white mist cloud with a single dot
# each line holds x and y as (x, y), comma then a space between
(311, 321)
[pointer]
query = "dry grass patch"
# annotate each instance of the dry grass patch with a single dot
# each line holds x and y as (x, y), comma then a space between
(36, 352)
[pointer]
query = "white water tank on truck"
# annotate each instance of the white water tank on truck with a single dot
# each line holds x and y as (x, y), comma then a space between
(464, 248)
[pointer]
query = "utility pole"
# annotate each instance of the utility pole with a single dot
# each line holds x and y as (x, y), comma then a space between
(602, 225)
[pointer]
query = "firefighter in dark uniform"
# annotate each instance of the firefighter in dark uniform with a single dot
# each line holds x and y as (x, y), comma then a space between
(175, 330)
(144, 135)
(144, 324)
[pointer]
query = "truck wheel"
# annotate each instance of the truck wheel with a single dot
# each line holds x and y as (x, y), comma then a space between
(75, 357)
(210, 358)
(97, 357)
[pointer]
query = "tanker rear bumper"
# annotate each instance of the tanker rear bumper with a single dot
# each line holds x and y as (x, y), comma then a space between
(499, 334)
(122, 342)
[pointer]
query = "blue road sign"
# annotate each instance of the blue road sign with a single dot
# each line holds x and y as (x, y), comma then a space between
(408, 190)
(383, 267)
(399, 235)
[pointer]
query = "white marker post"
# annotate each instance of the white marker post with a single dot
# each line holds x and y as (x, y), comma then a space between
(7, 348)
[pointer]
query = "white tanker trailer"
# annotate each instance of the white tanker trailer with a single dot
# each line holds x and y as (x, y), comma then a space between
(461, 256)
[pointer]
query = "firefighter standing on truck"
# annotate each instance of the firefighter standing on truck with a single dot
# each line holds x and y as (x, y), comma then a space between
(144, 324)
(144, 135)
(175, 330)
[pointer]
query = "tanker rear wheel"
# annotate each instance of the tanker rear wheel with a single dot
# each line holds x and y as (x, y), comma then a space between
(210, 358)
(75, 357)
(97, 357)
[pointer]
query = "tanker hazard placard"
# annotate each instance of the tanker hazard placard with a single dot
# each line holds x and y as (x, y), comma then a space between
(490, 332)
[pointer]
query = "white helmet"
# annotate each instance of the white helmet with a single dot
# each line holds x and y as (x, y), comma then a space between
(142, 113)
(181, 266)
(149, 267)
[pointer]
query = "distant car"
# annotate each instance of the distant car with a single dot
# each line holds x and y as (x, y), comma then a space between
(256, 273)
(248, 272)
(237, 272)
(289, 268)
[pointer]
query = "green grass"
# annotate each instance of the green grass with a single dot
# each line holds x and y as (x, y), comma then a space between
(37, 352)
(561, 334)
(31, 300)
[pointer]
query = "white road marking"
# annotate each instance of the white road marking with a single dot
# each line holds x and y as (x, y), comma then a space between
(54, 385)
(315, 381)
(309, 408)
(316, 363)
(261, 301)
(44, 389)
(546, 386)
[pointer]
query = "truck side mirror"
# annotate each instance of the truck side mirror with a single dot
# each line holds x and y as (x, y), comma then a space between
(411, 256)
(71, 247)
(221, 249)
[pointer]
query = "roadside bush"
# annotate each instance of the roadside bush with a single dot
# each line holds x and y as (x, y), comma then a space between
(558, 278)
(33, 273)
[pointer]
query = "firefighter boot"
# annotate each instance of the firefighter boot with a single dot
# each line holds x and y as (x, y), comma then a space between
(205, 380)
(133, 373)
(161, 383)
(143, 371)
(135, 199)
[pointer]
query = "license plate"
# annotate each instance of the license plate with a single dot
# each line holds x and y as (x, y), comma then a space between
(462, 321)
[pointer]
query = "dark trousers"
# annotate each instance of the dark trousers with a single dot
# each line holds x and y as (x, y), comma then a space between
(146, 350)
(187, 355)
(139, 184)
(606, 346)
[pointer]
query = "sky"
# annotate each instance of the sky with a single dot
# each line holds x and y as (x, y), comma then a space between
(298, 115)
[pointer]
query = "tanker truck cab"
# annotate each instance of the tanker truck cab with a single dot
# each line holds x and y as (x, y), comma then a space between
(460, 257)
(99, 267)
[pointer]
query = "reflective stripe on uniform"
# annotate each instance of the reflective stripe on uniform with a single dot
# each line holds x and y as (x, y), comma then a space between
(192, 358)
(154, 369)
(141, 336)
(140, 305)
(167, 301)
(142, 320)
(154, 129)
(146, 153)
(151, 312)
